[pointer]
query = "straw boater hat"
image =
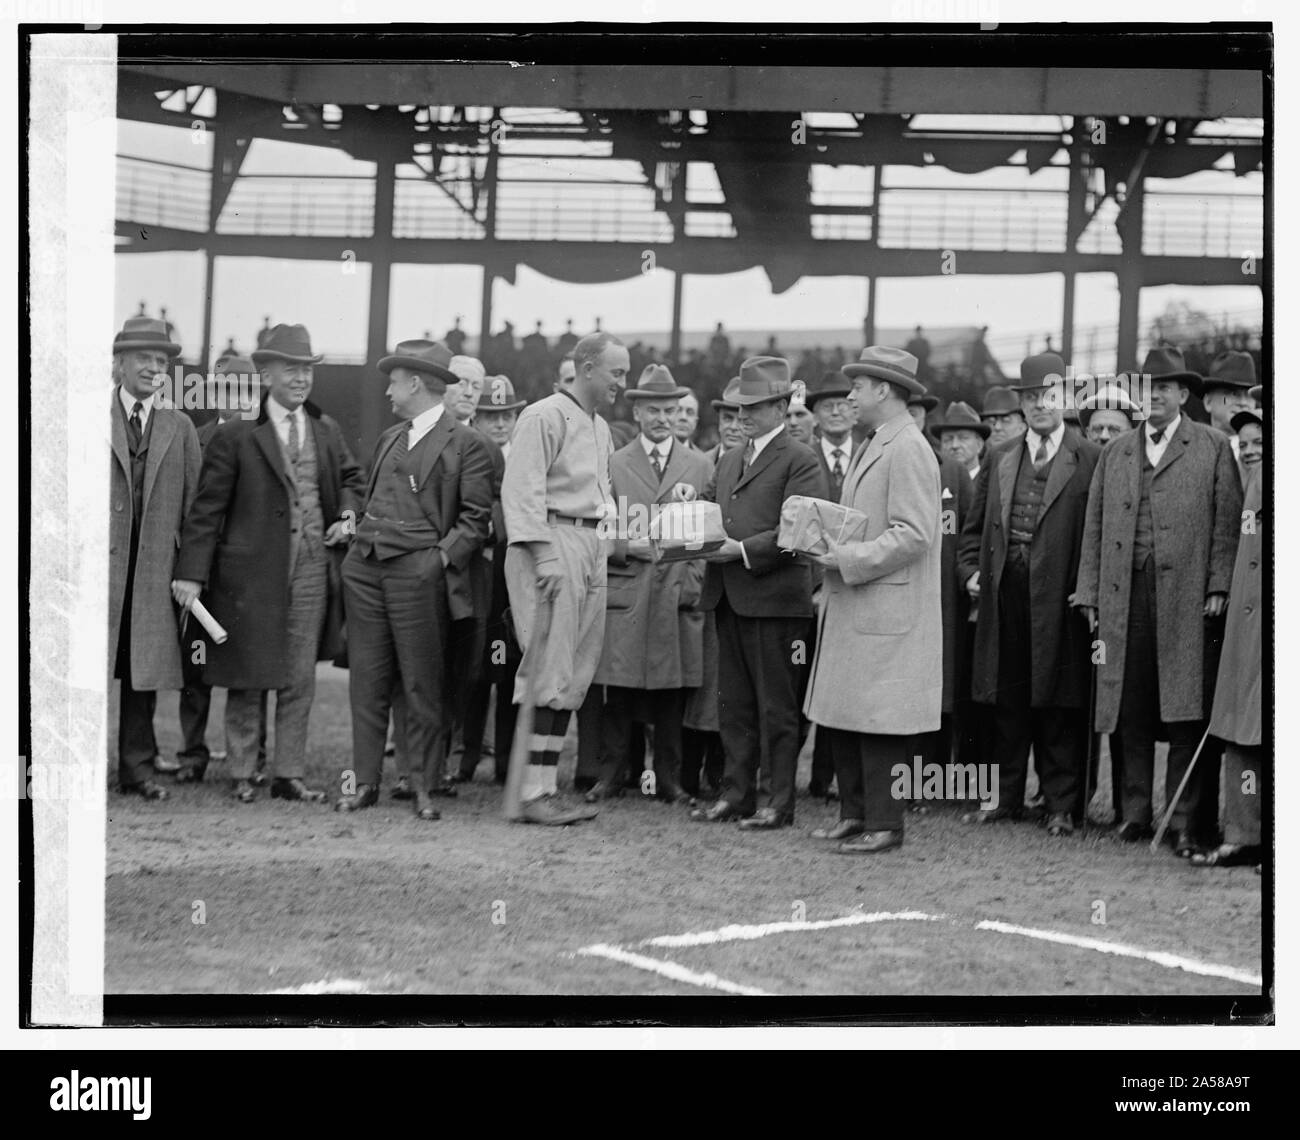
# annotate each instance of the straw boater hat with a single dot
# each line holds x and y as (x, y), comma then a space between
(431, 357)
(1001, 401)
(287, 342)
(762, 380)
(893, 364)
(831, 385)
(1110, 399)
(1043, 370)
(145, 332)
(656, 383)
(961, 417)
(498, 395)
(1166, 363)
(1235, 370)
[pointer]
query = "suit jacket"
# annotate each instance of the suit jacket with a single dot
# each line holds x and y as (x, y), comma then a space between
(1196, 515)
(776, 584)
(171, 477)
(879, 661)
(956, 492)
(237, 542)
(458, 501)
(1059, 639)
(850, 446)
(653, 629)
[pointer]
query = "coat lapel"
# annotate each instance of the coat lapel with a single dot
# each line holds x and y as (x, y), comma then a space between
(1008, 469)
(267, 440)
(163, 431)
(117, 435)
(1176, 447)
(434, 442)
(1067, 459)
(764, 457)
(672, 473)
(638, 463)
(381, 453)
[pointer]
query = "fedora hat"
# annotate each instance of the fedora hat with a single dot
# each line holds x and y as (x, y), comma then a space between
(893, 364)
(1166, 363)
(1241, 419)
(498, 395)
(656, 383)
(1230, 370)
(831, 384)
(287, 342)
(431, 357)
(726, 405)
(1042, 370)
(1257, 393)
(1001, 401)
(961, 417)
(145, 332)
(762, 379)
(235, 365)
(1109, 399)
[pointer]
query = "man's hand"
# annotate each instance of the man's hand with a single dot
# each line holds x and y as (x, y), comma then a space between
(973, 585)
(186, 592)
(1090, 612)
(337, 533)
(729, 551)
(831, 559)
(550, 577)
(1215, 604)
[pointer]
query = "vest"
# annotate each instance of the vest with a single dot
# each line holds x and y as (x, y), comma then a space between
(306, 522)
(1144, 538)
(1027, 499)
(139, 458)
(394, 522)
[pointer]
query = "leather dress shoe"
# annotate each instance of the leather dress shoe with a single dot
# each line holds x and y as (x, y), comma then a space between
(1185, 844)
(673, 794)
(1229, 855)
(146, 790)
(243, 791)
(993, 815)
(584, 783)
(425, 810)
(167, 765)
(462, 777)
(767, 819)
(1060, 823)
(295, 789)
(402, 790)
(1130, 831)
(719, 812)
(872, 843)
(447, 789)
(366, 795)
(259, 779)
(192, 773)
(603, 790)
(845, 829)
(543, 811)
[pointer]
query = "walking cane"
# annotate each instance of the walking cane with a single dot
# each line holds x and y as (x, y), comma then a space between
(513, 804)
(1092, 756)
(1178, 795)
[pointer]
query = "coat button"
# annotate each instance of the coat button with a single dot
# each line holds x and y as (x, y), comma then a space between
(1119, 545)
(1115, 586)
(1128, 506)
(117, 506)
(1254, 564)
(1250, 609)
(279, 514)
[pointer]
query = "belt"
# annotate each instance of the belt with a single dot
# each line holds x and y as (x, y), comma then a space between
(569, 520)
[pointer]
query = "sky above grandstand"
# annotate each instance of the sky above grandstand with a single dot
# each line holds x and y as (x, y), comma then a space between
(331, 299)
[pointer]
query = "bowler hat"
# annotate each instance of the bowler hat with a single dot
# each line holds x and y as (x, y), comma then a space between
(1001, 401)
(961, 417)
(832, 385)
(762, 379)
(498, 395)
(431, 357)
(1250, 416)
(893, 364)
(287, 342)
(145, 332)
(1230, 370)
(1166, 363)
(1042, 370)
(656, 383)
(1109, 399)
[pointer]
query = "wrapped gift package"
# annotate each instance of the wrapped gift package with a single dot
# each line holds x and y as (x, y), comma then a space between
(806, 523)
(686, 530)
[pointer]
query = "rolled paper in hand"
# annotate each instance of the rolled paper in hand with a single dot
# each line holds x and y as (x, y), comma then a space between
(208, 622)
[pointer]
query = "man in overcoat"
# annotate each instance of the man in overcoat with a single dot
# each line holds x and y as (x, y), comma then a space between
(1020, 557)
(154, 475)
(1159, 542)
(652, 655)
(274, 496)
(877, 677)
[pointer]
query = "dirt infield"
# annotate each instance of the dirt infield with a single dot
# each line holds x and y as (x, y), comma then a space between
(294, 895)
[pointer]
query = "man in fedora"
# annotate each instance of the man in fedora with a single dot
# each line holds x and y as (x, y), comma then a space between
(830, 404)
(1156, 566)
(154, 475)
(762, 599)
(275, 495)
(497, 414)
(1226, 390)
(730, 433)
(653, 628)
(877, 677)
(428, 503)
(1020, 556)
(1002, 412)
(555, 495)
(962, 436)
(919, 408)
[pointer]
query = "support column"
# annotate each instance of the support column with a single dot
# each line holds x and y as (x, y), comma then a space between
(373, 405)
(675, 341)
(207, 357)
(1129, 224)
(869, 322)
(1075, 221)
(485, 312)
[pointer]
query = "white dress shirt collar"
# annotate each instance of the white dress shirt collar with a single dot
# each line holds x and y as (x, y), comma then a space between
(423, 424)
(650, 447)
(280, 416)
(763, 440)
(845, 449)
(1156, 450)
(1032, 439)
(129, 402)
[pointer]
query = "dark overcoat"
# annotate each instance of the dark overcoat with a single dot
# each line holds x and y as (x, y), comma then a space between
(237, 544)
(1196, 513)
(1237, 716)
(956, 491)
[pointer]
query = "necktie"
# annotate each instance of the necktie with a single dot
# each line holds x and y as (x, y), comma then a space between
(137, 429)
(749, 454)
(294, 449)
(1040, 456)
(1157, 435)
(837, 471)
(656, 461)
(403, 443)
